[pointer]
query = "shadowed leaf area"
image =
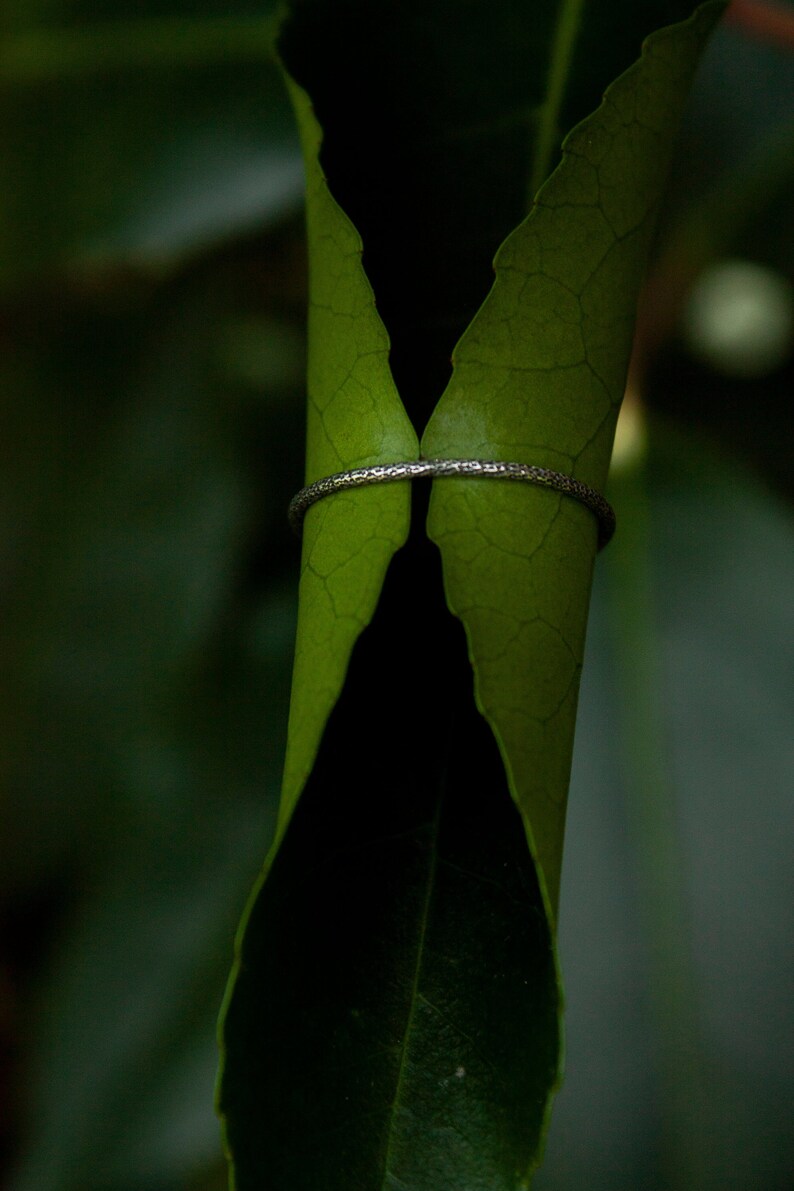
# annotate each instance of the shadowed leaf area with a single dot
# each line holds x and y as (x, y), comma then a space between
(440, 122)
(397, 964)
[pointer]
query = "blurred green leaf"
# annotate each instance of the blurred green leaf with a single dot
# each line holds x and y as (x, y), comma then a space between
(720, 550)
(139, 510)
(149, 678)
(124, 1061)
(140, 138)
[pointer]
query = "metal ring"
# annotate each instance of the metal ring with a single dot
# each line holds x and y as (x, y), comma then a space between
(384, 473)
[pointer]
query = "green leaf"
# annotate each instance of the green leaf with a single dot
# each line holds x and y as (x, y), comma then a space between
(539, 376)
(355, 418)
(393, 1017)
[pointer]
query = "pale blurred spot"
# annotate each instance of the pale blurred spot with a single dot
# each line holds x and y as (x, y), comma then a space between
(631, 434)
(739, 318)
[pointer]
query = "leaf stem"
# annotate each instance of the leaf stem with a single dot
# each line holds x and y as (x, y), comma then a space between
(548, 131)
(45, 55)
(650, 801)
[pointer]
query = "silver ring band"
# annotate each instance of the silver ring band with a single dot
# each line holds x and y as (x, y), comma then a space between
(384, 473)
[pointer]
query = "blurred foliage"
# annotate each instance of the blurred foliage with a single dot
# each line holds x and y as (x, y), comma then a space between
(156, 130)
(152, 316)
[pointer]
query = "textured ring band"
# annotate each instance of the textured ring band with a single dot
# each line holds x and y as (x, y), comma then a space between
(384, 473)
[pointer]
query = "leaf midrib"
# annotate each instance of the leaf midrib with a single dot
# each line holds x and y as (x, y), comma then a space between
(401, 1072)
(546, 141)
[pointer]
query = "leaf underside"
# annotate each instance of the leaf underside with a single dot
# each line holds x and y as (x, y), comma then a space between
(393, 1019)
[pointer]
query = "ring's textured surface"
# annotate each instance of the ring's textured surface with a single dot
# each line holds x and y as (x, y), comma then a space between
(384, 473)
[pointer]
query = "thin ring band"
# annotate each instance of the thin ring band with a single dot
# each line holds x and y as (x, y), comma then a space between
(384, 473)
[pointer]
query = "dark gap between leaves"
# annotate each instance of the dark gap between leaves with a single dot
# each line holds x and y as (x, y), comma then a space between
(429, 114)
(422, 159)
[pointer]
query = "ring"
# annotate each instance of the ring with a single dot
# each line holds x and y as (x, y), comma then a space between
(384, 473)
